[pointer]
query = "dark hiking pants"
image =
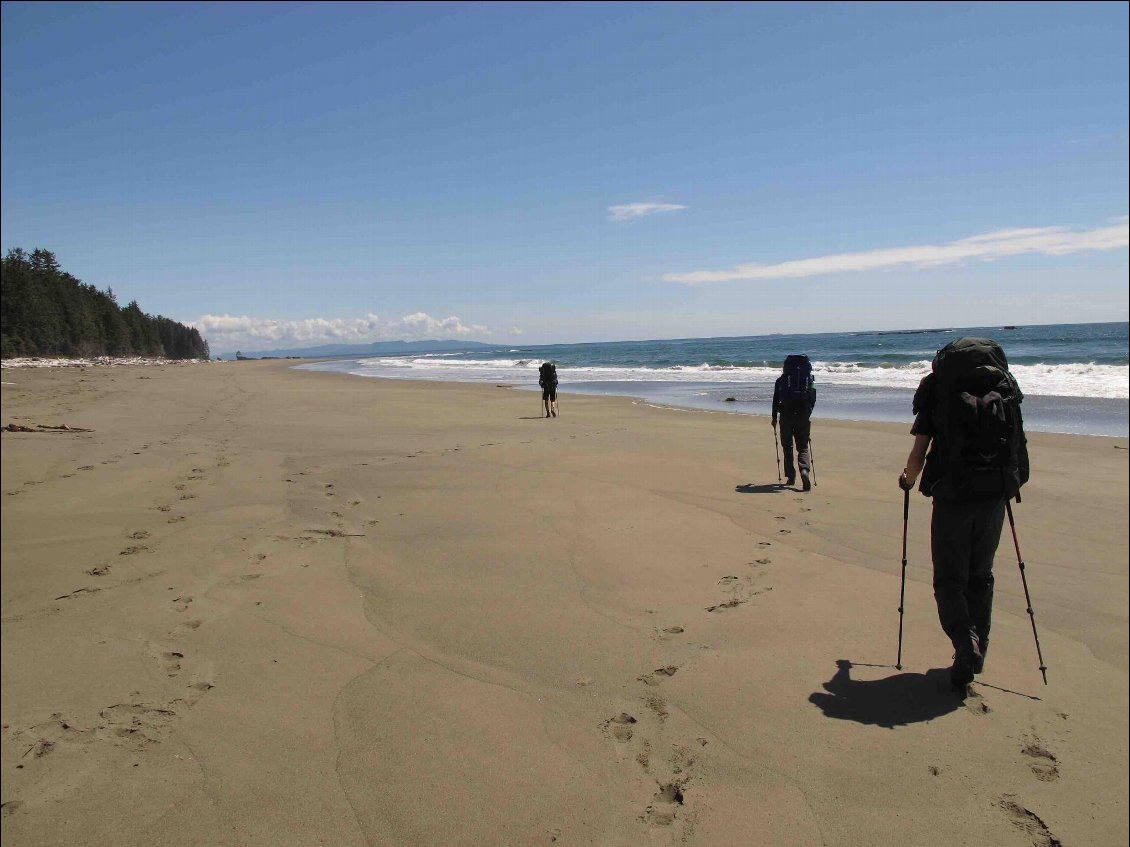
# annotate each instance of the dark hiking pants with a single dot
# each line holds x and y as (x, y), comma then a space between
(963, 541)
(795, 430)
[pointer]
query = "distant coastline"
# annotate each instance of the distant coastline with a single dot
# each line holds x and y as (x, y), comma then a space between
(1074, 375)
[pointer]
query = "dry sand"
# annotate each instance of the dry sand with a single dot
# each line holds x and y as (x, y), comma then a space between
(256, 606)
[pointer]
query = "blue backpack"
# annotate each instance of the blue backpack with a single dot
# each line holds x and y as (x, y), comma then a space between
(796, 390)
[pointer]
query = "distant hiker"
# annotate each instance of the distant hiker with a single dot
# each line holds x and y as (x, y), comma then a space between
(794, 396)
(547, 379)
(967, 413)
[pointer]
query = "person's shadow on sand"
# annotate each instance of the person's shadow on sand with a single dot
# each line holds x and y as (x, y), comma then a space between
(897, 700)
(770, 488)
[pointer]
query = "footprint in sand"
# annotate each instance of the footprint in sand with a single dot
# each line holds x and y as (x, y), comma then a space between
(181, 603)
(665, 804)
(765, 561)
(176, 519)
(764, 543)
(171, 662)
(784, 532)
(657, 675)
(137, 724)
(975, 703)
(643, 757)
(1044, 765)
(139, 535)
(1028, 822)
(620, 727)
(729, 604)
(100, 570)
(134, 549)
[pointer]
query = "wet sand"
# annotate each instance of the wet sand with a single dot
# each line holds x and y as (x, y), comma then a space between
(257, 606)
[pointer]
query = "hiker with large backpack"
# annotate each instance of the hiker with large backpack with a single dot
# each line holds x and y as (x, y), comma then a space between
(969, 437)
(794, 396)
(547, 379)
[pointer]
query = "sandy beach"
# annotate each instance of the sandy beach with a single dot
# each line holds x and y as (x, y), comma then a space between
(258, 606)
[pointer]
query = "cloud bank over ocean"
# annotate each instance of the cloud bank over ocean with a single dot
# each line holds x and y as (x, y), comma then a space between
(227, 332)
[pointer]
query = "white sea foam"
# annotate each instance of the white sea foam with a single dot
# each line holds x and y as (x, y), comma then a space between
(1063, 380)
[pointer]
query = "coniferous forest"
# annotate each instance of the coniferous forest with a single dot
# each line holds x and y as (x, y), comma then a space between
(44, 311)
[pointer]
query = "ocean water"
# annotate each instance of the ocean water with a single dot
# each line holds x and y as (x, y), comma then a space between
(1075, 377)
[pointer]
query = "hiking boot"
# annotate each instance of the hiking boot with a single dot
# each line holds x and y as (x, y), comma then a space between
(805, 482)
(965, 661)
(790, 480)
(979, 657)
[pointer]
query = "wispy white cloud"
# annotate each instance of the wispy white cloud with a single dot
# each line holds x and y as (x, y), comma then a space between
(228, 332)
(631, 211)
(991, 246)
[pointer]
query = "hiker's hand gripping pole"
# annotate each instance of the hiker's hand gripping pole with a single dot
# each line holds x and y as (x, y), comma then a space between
(1027, 596)
(902, 586)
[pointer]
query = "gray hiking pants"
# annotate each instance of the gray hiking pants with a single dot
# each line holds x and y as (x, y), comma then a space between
(963, 542)
(795, 430)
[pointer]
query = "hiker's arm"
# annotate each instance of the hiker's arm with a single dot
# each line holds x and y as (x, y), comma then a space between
(914, 461)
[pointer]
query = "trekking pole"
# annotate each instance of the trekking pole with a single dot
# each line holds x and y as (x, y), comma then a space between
(777, 450)
(1027, 596)
(902, 587)
(812, 459)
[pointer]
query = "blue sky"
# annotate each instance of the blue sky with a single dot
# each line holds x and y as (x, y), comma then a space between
(282, 174)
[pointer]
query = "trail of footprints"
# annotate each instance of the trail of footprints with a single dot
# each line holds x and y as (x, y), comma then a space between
(137, 723)
(644, 733)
